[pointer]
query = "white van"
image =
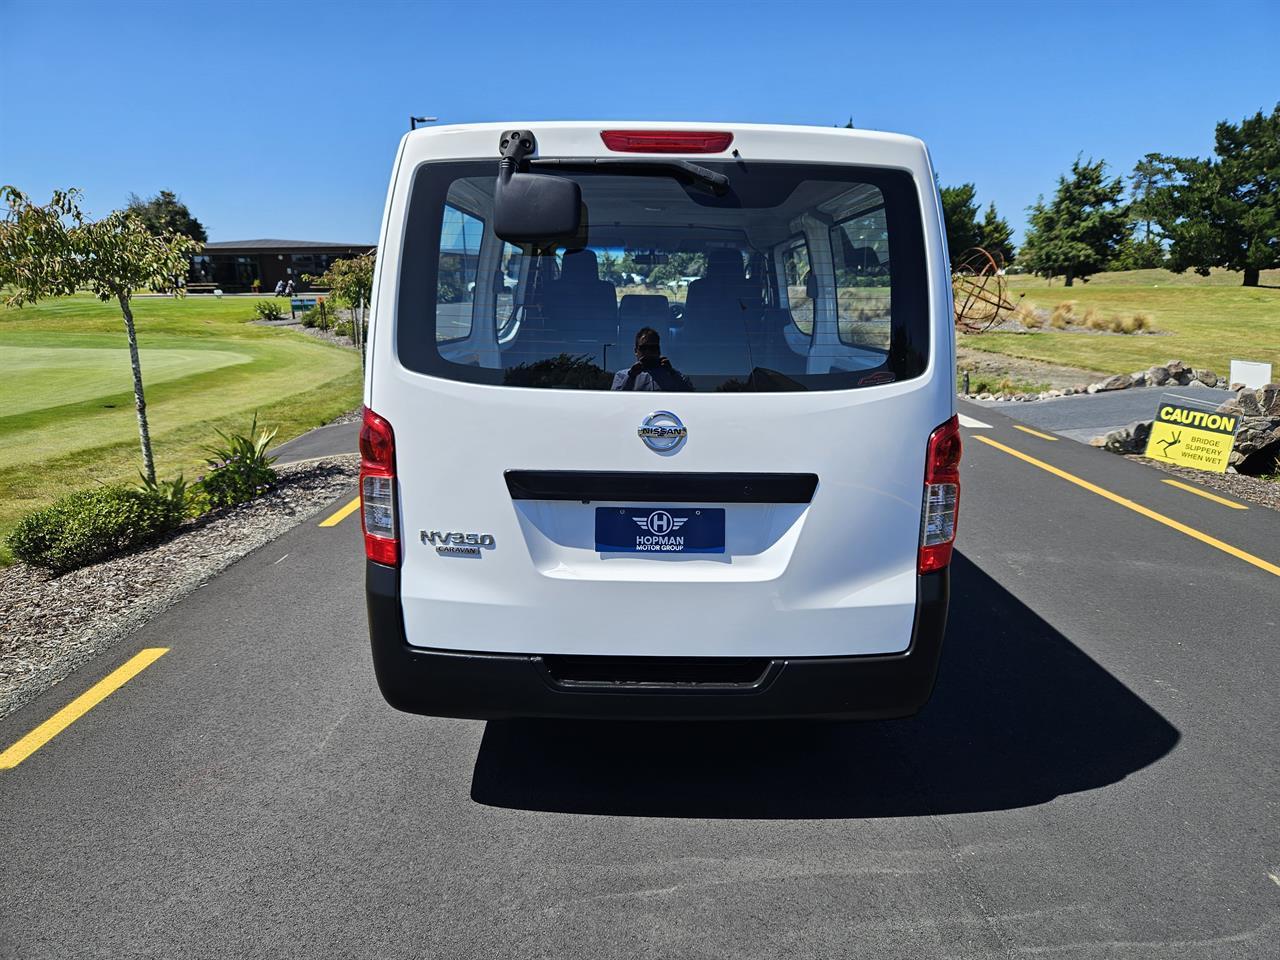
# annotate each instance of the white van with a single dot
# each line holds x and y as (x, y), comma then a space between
(659, 423)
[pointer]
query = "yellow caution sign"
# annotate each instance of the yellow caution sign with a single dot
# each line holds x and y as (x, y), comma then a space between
(1192, 438)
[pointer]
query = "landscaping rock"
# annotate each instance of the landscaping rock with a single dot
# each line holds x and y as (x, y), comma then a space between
(1175, 367)
(1245, 404)
(1207, 377)
(1121, 381)
(1158, 376)
(1130, 439)
(1268, 398)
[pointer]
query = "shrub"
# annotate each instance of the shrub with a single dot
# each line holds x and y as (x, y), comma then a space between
(1064, 314)
(1028, 315)
(180, 495)
(1137, 323)
(91, 525)
(1095, 320)
(239, 468)
(268, 310)
(320, 316)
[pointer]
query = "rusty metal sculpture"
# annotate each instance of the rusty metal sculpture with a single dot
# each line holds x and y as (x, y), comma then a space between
(980, 290)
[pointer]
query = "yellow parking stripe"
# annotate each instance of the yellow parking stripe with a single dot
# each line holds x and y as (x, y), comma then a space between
(1204, 493)
(1137, 508)
(341, 514)
(78, 707)
(1034, 433)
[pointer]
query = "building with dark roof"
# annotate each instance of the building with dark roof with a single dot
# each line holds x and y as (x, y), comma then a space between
(233, 265)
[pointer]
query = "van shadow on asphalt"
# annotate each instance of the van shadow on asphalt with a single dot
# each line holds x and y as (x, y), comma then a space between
(1019, 716)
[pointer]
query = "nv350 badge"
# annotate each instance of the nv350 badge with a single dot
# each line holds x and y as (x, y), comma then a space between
(458, 544)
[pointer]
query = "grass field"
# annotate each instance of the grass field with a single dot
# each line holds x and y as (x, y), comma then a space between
(66, 397)
(1206, 321)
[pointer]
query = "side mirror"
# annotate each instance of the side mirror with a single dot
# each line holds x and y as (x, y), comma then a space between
(534, 208)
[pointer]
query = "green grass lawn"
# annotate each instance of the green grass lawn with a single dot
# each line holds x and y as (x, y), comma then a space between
(66, 396)
(1205, 321)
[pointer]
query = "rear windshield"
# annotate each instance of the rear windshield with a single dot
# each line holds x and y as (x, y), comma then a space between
(800, 277)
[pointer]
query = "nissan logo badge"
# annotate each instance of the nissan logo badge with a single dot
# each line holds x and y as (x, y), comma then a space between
(662, 431)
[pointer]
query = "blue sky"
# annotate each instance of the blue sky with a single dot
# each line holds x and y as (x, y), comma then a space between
(281, 119)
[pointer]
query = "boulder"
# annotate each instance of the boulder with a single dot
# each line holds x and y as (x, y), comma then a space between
(1093, 388)
(1207, 377)
(1254, 433)
(1130, 439)
(1268, 398)
(1175, 367)
(1257, 446)
(1139, 378)
(1181, 378)
(984, 396)
(1245, 404)
(1121, 381)
(1158, 376)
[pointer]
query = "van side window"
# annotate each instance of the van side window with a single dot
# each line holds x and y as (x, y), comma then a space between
(799, 280)
(460, 235)
(860, 256)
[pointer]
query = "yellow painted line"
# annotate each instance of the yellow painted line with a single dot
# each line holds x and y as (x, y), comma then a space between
(78, 707)
(341, 514)
(1206, 494)
(1137, 508)
(1034, 433)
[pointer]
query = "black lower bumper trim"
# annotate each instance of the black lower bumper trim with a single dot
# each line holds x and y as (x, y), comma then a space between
(488, 686)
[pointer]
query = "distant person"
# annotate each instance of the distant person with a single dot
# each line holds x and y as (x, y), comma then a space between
(288, 289)
(651, 371)
(279, 288)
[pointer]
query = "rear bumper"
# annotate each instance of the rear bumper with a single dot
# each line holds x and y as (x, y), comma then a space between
(488, 686)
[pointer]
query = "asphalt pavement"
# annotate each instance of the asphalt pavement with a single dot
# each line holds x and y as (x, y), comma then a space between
(326, 441)
(1085, 416)
(1095, 776)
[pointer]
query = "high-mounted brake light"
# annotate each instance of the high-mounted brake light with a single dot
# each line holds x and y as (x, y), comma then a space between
(666, 141)
(377, 489)
(941, 497)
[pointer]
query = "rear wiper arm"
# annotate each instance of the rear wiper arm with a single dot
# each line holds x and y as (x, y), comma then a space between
(683, 170)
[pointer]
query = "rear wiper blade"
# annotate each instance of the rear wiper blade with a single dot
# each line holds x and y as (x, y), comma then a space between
(683, 170)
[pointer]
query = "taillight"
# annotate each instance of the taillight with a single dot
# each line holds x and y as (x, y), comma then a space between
(377, 489)
(666, 141)
(941, 497)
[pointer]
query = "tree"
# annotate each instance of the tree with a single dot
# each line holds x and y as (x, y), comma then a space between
(1077, 233)
(960, 216)
(165, 213)
(51, 250)
(351, 279)
(1142, 248)
(996, 236)
(1225, 212)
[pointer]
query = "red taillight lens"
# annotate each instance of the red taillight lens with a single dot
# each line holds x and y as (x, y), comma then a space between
(666, 141)
(941, 509)
(377, 489)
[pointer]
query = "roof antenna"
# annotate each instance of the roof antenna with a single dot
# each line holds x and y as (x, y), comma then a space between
(414, 121)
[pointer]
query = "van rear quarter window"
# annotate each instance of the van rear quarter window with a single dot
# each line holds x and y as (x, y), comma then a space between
(799, 277)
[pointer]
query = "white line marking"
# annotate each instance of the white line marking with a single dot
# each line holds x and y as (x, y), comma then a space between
(972, 424)
(281, 560)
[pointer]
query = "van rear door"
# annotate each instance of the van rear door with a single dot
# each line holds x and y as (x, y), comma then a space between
(696, 429)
